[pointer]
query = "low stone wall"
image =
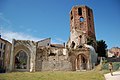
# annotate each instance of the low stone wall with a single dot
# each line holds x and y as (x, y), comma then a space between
(56, 66)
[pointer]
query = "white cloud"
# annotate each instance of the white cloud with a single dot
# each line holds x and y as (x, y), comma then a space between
(9, 35)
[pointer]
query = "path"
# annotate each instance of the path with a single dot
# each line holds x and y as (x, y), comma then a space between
(116, 76)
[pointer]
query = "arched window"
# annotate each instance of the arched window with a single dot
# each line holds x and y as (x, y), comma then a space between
(81, 19)
(21, 60)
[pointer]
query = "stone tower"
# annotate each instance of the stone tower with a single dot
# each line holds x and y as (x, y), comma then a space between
(81, 26)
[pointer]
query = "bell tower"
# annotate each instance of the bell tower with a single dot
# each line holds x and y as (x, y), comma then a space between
(81, 26)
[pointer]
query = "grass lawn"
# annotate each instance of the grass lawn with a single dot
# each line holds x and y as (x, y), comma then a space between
(57, 75)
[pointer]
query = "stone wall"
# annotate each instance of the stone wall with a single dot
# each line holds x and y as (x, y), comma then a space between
(45, 42)
(41, 55)
(7, 56)
(29, 47)
(81, 26)
(51, 58)
(5, 50)
(77, 62)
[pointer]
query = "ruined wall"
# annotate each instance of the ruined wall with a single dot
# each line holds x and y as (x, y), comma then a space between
(45, 42)
(2, 52)
(41, 55)
(29, 47)
(7, 56)
(81, 26)
(5, 50)
(75, 37)
(51, 59)
(77, 61)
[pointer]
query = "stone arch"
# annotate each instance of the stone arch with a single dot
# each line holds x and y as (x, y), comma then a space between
(22, 51)
(21, 60)
(81, 62)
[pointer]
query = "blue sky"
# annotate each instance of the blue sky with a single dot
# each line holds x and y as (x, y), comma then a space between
(39, 19)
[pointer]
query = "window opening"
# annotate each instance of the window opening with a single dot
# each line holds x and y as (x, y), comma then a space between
(52, 54)
(1, 45)
(21, 60)
(4, 46)
(71, 12)
(88, 12)
(81, 19)
(73, 44)
(71, 17)
(79, 11)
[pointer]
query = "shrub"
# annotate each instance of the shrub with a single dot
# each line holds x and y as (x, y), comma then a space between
(116, 66)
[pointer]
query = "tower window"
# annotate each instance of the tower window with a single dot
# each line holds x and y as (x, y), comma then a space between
(48, 44)
(72, 44)
(88, 12)
(71, 12)
(81, 19)
(71, 17)
(90, 25)
(79, 11)
(80, 36)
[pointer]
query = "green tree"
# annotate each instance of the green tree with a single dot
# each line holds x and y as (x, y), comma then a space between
(101, 48)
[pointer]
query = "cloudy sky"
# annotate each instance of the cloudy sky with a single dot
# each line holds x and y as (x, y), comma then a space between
(40, 19)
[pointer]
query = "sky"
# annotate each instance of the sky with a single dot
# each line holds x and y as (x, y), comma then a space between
(40, 19)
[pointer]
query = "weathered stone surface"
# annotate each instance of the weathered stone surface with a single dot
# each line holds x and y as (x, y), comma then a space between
(27, 46)
(5, 50)
(81, 26)
(51, 58)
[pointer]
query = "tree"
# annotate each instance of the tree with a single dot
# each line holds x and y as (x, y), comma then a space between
(101, 48)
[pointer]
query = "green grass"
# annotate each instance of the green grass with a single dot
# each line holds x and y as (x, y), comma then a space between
(57, 75)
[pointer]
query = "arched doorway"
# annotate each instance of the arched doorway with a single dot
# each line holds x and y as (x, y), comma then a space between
(81, 62)
(21, 60)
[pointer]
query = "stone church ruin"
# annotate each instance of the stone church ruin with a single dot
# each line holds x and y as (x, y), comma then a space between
(77, 54)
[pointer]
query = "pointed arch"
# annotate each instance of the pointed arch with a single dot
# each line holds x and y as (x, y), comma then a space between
(81, 62)
(21, 60)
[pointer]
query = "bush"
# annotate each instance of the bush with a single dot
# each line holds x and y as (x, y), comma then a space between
(116, 66)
